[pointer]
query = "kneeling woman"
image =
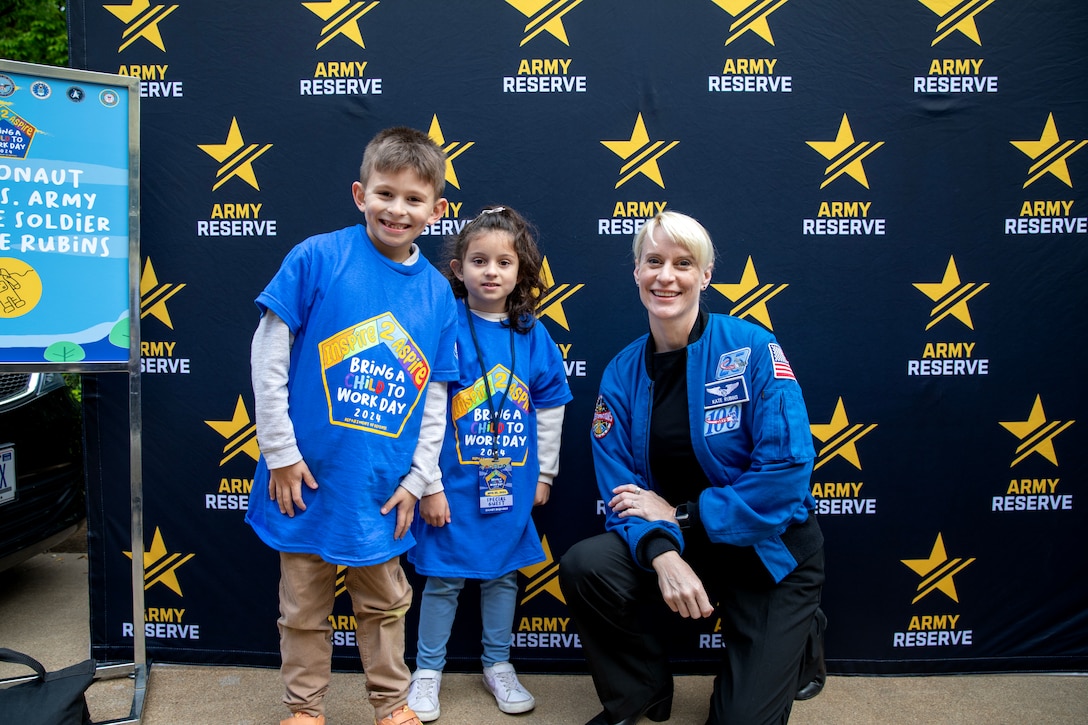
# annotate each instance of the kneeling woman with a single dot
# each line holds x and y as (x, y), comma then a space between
(702, 449)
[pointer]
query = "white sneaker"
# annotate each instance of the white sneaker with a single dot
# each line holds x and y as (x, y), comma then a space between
(502, 681)
(423, 694)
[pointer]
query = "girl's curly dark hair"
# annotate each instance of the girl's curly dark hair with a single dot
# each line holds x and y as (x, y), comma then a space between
(522, 302)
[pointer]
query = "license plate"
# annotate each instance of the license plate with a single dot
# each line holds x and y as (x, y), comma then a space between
(7, 474)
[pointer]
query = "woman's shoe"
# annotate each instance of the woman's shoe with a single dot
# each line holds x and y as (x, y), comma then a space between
(658, 709)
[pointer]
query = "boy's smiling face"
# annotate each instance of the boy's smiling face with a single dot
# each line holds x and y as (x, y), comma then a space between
(397, 206)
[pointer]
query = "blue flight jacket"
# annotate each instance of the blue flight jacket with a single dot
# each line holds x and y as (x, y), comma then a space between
(749, 429)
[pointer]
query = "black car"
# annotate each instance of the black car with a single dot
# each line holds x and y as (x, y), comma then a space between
(42, 500)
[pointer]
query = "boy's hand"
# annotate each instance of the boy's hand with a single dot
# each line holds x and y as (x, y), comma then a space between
(435, 509)
(543, 493)
(405, 503)
(285, 486)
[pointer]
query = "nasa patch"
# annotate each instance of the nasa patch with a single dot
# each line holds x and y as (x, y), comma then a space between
(721, 420)
(602, 419)
(732, 363)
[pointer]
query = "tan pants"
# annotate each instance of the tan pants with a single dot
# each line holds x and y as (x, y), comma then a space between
(380, 596)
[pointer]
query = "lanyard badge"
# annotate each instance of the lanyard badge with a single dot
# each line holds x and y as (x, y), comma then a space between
(496, 485)
(496, 475)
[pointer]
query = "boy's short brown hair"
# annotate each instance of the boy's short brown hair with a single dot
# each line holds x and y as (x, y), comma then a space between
(399, 148)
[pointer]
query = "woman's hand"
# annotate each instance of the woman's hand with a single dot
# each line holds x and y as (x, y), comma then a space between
(630, 500)
(681, 587)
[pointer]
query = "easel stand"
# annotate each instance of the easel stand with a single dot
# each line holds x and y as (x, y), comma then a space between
(139, 669)
(34, 87)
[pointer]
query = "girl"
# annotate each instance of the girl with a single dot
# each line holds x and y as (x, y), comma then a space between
(499, 457)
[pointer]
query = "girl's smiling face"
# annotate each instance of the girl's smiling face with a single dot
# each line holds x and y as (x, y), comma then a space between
(489, 270)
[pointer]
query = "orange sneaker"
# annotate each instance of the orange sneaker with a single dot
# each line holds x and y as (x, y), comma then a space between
(301, 718)
(400, 716)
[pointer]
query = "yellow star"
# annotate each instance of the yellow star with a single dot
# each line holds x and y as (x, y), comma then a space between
(160, 566)
(340, 14)
(845, 156)
(741, 292)
(1036, 433)
(148, 26)
(553, 297)
(639, 146)
(153, 296)
(341, 579)
(937, 571)
(238, 156)
(550, 21)
(841, 437)
(1046, 148)
(543, 577)
(951, 297)
(240, 432)
(949, 25)
(746, 22)
(452, 150)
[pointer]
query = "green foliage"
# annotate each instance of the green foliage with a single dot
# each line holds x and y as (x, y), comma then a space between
(34, 31)
(75, 386)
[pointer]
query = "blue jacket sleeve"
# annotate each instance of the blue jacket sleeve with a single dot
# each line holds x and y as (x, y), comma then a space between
(614, 441)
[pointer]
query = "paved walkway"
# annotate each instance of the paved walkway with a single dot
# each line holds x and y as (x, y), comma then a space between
(44, 612)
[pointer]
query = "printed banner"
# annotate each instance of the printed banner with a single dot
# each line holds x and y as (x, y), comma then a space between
(65, 162)
(896, 190)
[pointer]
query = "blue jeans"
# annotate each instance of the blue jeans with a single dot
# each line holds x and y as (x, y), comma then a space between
(439, 607)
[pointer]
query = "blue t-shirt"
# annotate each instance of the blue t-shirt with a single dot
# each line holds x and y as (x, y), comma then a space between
(492, 531)
(369, 335)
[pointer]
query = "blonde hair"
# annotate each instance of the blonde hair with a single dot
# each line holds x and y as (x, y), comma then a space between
(682, 229)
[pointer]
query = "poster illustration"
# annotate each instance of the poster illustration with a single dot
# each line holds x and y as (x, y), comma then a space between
(64, 218)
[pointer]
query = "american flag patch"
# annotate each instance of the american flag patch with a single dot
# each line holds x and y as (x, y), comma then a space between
(781, 365)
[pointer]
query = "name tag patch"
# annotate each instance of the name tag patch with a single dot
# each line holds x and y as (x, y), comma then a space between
(725, 392)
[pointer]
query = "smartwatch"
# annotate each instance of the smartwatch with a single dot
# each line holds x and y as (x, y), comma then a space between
(683, 518)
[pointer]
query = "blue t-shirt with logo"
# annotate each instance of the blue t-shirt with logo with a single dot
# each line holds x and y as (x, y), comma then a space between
(370, 334)
(489, 458)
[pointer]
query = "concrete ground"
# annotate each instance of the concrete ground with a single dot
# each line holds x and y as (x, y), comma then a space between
(44, 612)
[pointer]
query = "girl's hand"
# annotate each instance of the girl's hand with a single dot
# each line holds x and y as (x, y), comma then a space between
(543, 493)
(435, 509)
(631, 500)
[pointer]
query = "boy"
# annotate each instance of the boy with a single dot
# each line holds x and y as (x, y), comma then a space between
(349, 365)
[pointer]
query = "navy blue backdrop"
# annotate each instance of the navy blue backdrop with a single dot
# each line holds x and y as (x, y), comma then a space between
(894, 188)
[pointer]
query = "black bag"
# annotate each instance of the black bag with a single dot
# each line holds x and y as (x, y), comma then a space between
(52, 698)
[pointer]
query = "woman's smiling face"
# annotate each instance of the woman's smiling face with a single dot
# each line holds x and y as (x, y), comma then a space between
(669, 280)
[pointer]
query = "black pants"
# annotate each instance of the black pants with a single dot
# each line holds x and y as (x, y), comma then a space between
(764, 626)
